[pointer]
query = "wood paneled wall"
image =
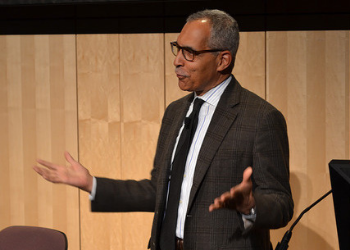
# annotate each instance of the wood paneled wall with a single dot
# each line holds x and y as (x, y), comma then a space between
(102, 97)
(308, 80)
(38, 119)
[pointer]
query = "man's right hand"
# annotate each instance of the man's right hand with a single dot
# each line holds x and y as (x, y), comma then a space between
(75, 174)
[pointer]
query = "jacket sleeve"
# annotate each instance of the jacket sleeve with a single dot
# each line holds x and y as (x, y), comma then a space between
(272, 193)
(123, 196)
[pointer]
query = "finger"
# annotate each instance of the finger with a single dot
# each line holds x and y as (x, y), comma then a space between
(211, 208)
(220, 202)
(216, 205)
(47, 174)
(41, 171)
(47, 164)
(225, 197)
(38, 170)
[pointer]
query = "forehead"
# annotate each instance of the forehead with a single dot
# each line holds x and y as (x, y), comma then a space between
(195, 34)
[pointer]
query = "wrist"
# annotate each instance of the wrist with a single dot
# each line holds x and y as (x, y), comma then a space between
(89, 183)
(252, 211)
(251, 208)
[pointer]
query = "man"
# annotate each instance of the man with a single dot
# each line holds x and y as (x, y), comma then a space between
(235, 184)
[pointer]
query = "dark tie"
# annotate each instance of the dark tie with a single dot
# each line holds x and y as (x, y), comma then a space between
(167, 237)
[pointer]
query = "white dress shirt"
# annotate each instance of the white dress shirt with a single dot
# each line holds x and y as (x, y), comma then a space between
(207, 110)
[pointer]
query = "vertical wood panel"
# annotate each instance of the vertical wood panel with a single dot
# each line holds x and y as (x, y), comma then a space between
(38, 117)
(29, 126)
(119, 121)
(99, 131)
(5, 197)
(249, 67)
(142, 105)
(307, 78)
(16, 190)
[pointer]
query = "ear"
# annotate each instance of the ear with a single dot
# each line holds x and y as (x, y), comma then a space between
(225, 59)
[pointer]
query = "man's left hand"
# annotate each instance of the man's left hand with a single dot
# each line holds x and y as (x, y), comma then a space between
(239, 198)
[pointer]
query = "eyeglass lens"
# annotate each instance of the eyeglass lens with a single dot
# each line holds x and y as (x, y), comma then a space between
(188, 55)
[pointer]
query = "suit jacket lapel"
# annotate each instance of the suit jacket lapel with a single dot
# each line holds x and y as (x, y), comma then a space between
(177, 117)
(221, 122)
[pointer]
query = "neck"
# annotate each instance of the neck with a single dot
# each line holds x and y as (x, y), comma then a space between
(218, 81)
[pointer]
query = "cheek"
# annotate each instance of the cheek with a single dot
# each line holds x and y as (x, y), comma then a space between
(198, 74)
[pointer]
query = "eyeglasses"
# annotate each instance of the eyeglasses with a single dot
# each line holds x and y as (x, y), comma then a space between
(188, 53)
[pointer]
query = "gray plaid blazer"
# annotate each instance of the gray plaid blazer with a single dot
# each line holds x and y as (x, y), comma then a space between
(245, 131)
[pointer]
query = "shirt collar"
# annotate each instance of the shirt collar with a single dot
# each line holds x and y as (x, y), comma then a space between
(213, 96)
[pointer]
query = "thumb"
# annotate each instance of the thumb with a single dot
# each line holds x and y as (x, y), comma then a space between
(247, 174)
(69, 158)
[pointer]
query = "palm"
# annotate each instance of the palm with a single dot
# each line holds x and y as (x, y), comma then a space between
(74, 174)
(239, 198)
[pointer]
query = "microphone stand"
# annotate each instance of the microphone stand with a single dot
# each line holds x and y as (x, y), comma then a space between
(283, 245)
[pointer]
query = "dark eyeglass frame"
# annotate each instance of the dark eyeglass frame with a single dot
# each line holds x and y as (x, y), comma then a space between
(191, 51)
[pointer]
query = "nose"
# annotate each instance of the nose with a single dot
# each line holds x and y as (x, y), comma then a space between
(179, 59)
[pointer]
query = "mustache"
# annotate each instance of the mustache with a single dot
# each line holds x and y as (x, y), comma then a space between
(181, 72)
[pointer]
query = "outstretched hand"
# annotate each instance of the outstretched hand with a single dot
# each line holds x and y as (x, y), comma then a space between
(75, 174)
(239, 198)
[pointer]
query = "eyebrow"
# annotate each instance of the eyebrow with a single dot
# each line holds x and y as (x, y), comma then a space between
(186, 47)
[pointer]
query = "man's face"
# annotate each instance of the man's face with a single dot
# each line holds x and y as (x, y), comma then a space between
(200, 75)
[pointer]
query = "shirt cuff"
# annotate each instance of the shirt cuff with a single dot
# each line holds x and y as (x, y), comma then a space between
(249, 219)
(93, 190)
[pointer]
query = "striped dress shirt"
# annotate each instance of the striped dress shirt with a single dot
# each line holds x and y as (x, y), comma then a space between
(211, 99)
